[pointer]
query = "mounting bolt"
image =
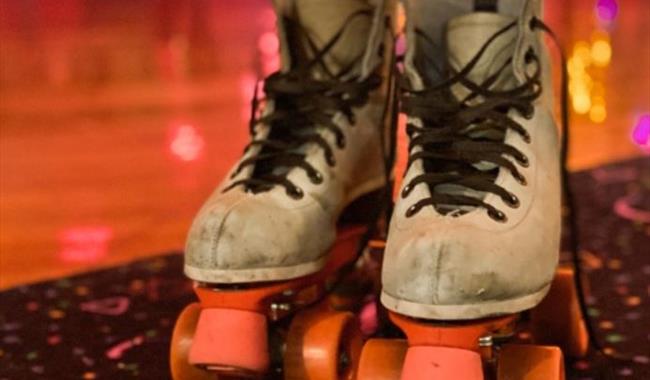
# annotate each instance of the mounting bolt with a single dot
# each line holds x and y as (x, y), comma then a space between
(485, 341)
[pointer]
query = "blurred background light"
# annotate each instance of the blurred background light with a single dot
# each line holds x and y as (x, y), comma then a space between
(598, 111)
(582, 53)
(641, 133)
(84, 243)
(601, 50)
(268, 43)
(606, 10)
(581, 102)
(587, 71)
(186, 142)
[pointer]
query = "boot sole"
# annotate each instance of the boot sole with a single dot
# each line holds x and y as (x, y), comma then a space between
(255, 274)
(464, 311)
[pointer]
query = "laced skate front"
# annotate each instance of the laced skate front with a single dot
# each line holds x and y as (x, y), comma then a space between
(461, 140)
(305, 101)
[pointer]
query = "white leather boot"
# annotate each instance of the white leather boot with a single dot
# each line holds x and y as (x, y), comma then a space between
(476, 230)
(317, 145)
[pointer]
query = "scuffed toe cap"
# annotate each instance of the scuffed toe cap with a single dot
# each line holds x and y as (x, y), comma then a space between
(241, 237)
(455, 264)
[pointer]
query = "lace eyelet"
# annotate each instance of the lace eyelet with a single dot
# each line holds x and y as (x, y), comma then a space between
(411, 211)
(529, 57)
(340, 141)
(526, 137)
(511, 200)
(497, 215)
(315, 177)
(523, 161)
(331, 161)
(295, 192)
(521, 179)
(406, 191)
(532, 24)
(529, 114)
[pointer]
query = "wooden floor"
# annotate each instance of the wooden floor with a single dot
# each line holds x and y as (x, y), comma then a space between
(117, 119)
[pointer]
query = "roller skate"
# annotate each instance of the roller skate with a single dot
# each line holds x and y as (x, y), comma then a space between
(474, 238)
(270, 248)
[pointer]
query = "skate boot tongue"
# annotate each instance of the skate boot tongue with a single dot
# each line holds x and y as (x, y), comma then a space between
(319, 21)
(467, 35)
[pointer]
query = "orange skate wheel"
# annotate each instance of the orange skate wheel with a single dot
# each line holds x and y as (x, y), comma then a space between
(382, 359)
(231, 342)
(557, 320)
(436, 362)
(180, 346)
(528, 362)
(322, 345)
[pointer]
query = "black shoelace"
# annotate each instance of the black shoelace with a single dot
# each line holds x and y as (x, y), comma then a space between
(302, 104)
(456, 135)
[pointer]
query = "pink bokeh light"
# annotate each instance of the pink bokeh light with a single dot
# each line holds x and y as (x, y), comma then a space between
(186, 143)
(84, 243)
(368, 318)
(606, 10)
(268, 43)
(641, 132)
